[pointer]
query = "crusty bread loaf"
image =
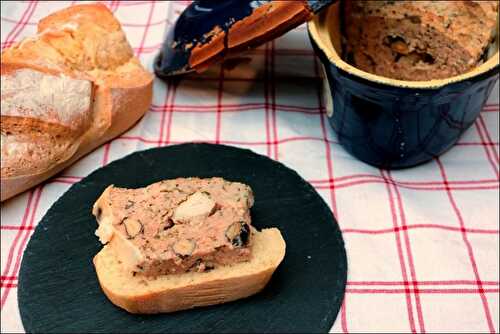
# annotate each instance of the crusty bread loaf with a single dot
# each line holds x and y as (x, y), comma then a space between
(418, 40)
(168, 293)
(65, 91)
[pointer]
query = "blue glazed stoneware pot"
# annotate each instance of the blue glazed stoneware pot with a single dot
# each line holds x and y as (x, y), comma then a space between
(393, 123)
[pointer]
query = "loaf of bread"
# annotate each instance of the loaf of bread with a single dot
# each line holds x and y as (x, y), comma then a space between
(182, 243)
(418, 40)
(64, 92)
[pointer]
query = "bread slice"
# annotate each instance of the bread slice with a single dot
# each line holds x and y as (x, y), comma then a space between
(169, 293)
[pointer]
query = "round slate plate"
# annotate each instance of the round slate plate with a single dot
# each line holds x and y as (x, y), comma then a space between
(58, 289)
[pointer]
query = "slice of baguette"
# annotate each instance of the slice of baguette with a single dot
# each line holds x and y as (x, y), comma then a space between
(169, 293)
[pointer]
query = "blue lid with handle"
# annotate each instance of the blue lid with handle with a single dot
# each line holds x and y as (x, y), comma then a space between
(208, 30)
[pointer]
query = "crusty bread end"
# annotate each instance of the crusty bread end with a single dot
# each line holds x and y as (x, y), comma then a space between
(79, 46)
(169, 293)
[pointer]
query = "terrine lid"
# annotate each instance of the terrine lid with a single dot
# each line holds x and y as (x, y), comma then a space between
(207, 31)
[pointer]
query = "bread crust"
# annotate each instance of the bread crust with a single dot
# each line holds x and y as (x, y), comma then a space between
(201, 289)
(126, 115)
(122, 92)
(172, 300)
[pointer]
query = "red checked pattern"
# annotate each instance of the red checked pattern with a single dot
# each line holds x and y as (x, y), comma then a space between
(422, 244)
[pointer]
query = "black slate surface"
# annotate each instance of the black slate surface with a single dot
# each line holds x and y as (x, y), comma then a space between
(58, 289)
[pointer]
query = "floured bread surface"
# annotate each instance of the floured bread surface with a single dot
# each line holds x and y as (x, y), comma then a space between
(176, 226)
(168, 293)
(42, 116)
(51, 98)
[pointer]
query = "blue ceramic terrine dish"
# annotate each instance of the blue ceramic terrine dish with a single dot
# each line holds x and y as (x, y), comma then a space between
(393, 123)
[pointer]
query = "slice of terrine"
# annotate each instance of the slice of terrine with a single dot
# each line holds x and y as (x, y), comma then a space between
(176, 226)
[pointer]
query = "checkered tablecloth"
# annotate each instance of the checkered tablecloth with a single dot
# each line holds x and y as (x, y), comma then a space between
(422, 243)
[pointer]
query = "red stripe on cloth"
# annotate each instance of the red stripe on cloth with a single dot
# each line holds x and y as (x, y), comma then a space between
(229, 142)
(146, 28)
(171, 114)
(381, 283)
(23, 23)
(23, 242)
(6, 19)
(489, 140)
(329, 162)
(418, 226)
(324, 135)
(105, 155)
(220, 90)
(400, 255)
(110, 5)
(57, 180)
(6, 45)
(477, 144)
(468, 247)
(19, 26)
(237, 107)
(486, 149)
(362, 178)
(350, 184)
(355, 176)
(391, 283)
(427, 291)
(402, 217)
(76, 178)
(171, 86)
(14, 244)
(26, 236)
(8, 286)
(343, 316)
(11, 227)
(319, 184)
(266, 100)
(273, 102)
(116, 5)
(491, 106)
(168, 87)
(415, 187)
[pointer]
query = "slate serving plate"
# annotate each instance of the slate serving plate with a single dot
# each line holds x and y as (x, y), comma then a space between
(58, 289)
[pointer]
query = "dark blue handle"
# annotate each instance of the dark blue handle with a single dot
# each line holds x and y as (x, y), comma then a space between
(317, 5)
